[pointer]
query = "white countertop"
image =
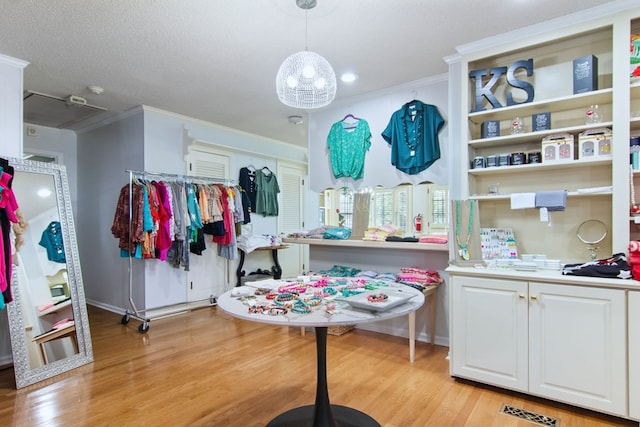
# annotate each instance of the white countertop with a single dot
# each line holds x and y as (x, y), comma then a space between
(343, 315)
(548, 276)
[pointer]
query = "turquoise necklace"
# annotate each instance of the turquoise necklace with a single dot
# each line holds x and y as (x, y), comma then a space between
(463, 248)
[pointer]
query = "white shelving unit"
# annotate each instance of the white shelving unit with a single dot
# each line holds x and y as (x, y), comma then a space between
(479, 296)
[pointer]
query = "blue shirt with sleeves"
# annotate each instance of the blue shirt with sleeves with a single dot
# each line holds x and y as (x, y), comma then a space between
(412, 133)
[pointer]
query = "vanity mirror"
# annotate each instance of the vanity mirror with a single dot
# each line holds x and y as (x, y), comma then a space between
(48, 320)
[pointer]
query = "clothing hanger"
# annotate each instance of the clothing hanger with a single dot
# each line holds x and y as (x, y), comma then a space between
(350, 125)
(267, 171)
(251, 168)
(350, 116)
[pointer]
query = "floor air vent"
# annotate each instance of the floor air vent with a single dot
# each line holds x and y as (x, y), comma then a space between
(539, 419)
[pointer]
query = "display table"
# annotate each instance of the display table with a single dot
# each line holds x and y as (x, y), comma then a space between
(277, 270)
(322, 413)
(68, 331)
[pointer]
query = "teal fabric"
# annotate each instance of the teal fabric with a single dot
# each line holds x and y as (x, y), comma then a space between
(347, 148)
(413, 134)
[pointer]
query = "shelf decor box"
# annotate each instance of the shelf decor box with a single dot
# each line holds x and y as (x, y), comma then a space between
(634, 58)
(594, 143)
(490, 129)
(585, 74)
(540, 121)
(558, 148)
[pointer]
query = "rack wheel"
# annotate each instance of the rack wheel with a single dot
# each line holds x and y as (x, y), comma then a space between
(125, 319)
(143, 328)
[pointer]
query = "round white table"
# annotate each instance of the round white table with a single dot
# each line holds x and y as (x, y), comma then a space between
(322, 413)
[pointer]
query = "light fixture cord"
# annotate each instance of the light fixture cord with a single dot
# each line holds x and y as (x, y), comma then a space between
(306, 29)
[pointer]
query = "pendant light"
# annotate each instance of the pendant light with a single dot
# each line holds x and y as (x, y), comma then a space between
(305, 79)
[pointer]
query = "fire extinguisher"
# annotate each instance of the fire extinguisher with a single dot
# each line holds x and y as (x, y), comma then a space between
(417, 223)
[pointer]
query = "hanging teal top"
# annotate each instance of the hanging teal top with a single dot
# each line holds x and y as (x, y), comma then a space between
(347, 148)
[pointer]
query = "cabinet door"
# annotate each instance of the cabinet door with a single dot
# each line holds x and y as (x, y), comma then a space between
(577, 345)
(489, 331)
(634, 355)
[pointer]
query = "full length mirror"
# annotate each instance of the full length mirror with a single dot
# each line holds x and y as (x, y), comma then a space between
(48, 320)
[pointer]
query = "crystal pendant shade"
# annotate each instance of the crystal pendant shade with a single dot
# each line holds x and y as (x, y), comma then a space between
(306, 80)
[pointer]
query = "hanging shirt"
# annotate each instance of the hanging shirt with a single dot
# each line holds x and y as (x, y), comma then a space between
(247, 181)
(51, 240)
(267, 193)
(413, 134)
(348, 144)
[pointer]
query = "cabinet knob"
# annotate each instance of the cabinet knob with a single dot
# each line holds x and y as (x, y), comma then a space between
(521, 296)
(534, 298)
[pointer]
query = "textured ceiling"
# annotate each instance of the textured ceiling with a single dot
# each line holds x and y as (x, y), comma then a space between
(216, 60)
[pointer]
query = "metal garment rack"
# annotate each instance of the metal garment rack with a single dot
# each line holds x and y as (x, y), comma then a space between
(135, 312)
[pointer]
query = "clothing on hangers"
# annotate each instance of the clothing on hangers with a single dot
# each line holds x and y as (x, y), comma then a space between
(412, 132)
(168, 215)
(348, 147)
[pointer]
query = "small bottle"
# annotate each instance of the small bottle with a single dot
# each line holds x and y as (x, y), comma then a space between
(593, 115)
(517, 126)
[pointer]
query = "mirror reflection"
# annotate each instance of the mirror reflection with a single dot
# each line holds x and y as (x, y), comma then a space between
(48, 320)
(418, 209)
(42, 272)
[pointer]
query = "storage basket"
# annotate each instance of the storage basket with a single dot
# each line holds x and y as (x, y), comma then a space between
(339, 330)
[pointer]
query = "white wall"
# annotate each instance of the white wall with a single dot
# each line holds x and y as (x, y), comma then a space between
(104, 155)
(61, 142)
(376, 108)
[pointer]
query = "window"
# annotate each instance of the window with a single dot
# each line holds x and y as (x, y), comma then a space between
(391, 206)
(438, 218)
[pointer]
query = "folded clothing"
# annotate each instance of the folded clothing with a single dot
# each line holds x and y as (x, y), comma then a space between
(434, 238)
(552, 200)
(523, 200)
(401, 239)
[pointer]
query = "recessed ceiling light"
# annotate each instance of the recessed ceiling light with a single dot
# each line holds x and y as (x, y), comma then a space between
(349, 77)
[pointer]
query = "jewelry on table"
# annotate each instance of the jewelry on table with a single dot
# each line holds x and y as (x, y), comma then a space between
(301, 308)
(463, 248)
(286, 296)
(258, 309)
(277, 311)
(377, 297)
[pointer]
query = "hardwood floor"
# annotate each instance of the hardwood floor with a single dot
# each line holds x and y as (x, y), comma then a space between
(206, 368)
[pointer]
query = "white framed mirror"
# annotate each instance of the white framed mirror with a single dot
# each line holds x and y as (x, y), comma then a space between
(48, 321)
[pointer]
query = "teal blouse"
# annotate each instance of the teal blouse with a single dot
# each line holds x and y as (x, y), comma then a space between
(347, 148)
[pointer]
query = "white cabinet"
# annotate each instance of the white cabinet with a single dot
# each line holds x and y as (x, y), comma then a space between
(577, 345)
(634, 355)
(489, 331)
(561, 342)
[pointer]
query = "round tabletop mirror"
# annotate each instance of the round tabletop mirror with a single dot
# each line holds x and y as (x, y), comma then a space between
(592, 232)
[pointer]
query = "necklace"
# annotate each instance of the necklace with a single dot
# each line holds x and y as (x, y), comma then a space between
(634, 209)
(463, 248)
(416, 133)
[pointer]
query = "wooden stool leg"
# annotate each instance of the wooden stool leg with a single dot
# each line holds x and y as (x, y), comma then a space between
(432, 319)
(412, 336)
(302, 331)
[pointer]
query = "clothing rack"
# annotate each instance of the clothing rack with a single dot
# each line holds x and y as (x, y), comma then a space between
(135, 312)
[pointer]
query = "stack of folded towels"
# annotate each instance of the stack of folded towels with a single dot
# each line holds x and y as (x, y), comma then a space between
(380, 234)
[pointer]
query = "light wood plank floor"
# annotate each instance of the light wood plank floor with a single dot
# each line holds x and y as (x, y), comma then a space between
(206, 368)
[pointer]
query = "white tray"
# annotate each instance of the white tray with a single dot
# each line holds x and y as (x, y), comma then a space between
(395, 298)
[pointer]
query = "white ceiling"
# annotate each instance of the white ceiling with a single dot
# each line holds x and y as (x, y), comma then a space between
(216, 60)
